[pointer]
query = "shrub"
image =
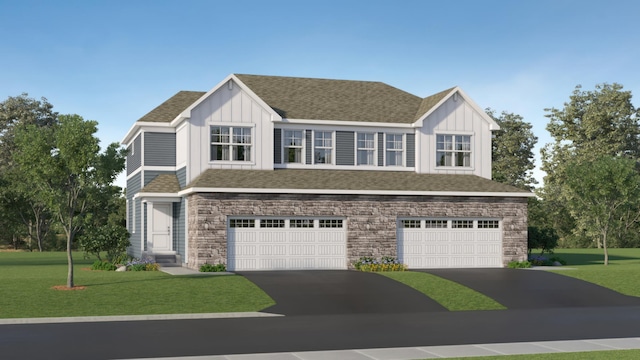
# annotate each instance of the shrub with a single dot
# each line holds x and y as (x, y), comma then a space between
(144, 264)
(386, 263)
(213, 268)
(103, 265)
(561, 261)
(519, 265)
(543, 238)
(110, 238)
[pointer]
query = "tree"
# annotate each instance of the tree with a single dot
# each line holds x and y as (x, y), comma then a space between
(68, 170)
(18, 204)
(512, 151)
(597, 123)
(599, 191)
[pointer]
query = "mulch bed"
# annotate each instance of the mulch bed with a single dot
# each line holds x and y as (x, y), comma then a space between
(65, 288)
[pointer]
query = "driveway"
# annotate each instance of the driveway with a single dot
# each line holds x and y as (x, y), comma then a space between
(535, 289)
(332, 292)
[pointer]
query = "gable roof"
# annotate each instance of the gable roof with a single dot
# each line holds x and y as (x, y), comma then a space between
(348, 181)
(325, 99)
(170, 109)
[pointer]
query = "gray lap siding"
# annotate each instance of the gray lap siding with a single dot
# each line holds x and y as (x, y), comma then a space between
(370, 220)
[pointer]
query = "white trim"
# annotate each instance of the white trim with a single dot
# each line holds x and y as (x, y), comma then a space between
(333, 123)
(342, 167)
(157, 197)
(146, 126)
(492, 124)
(472, 152)
(231, 144)
(186, 114)
(356, 149)
(354, 192)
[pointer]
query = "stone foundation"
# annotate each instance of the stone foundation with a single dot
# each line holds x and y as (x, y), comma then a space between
(370, 219)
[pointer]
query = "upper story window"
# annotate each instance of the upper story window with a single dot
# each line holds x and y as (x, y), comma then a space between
(322, 147)
(393, 150)
(293, 146)
(366, 149)
(453, 150)
(231, 143)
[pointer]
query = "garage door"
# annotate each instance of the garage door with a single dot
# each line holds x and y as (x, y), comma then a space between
(286, 244)
(450, 243)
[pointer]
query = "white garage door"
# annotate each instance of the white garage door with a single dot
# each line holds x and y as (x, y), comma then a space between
(286, 244)
(450, 243)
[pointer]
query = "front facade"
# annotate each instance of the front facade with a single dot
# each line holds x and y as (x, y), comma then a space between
(265, 172)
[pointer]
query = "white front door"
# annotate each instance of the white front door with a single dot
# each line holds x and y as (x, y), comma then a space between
(161, 218)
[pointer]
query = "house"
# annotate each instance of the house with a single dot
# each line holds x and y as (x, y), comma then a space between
(266, 172)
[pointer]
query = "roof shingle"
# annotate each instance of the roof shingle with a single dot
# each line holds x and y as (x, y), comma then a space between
(163, 183)
(170, 109)
(347, 180)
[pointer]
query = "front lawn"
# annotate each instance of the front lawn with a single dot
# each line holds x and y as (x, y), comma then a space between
(451, 295)
(621, 275)
(590, 355)
(27, 279)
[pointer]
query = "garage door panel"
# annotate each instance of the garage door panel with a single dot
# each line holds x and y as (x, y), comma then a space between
(282, 248)
(449, 247)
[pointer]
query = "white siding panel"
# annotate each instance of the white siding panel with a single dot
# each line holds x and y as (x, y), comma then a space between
(455, 117)
(229, 106)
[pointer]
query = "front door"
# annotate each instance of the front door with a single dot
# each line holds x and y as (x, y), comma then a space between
(161, 228)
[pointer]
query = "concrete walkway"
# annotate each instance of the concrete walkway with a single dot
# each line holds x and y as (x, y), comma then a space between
(437, 352)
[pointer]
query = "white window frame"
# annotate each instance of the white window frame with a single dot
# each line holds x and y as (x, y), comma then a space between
(231, 143)
(286, 146)
(453, 150)
(373, 149)
(324, 147)
(388, 150)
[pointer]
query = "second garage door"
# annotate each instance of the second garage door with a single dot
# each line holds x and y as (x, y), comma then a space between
(450, 243)
(286, 243)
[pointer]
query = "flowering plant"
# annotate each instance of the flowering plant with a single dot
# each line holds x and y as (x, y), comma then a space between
(385, 263)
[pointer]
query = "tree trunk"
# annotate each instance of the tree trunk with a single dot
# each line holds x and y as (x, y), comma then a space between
(69, 260)
(604, 246)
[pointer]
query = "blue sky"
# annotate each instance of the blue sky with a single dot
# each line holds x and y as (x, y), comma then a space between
(113, 61)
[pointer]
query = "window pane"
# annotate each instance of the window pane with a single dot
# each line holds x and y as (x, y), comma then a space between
(242, 135)
(366, 141)
(394, 158)
(242, 153)
(323, 139)
(323, 156)
(365, 157)
(293, 137)
(219, 152)
(220, 134)
(293, 155)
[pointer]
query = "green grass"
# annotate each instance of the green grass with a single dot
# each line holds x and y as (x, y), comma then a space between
(587, 355)
(27, 279)
(449, 294)
(621, 275)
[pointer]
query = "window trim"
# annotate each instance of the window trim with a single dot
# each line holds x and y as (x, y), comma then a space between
(402, 150)
(332, 148)
(358, 148)
(302, 147)
(471, 151)
(252, 145)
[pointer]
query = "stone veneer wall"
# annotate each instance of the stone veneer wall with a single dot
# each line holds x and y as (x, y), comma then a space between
(370, 219)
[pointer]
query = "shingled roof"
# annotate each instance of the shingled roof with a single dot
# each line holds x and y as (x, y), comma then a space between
(163, 183)
(362, 180)
(170, 109)
(318, 99)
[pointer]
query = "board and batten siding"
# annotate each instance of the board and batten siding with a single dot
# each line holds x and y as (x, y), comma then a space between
(345, 148)
(229, 105)
(133, 187)
(134, 155)
(159, 149)
(456, 118)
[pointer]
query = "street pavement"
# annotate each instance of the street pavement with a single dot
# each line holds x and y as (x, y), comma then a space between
(314, 334)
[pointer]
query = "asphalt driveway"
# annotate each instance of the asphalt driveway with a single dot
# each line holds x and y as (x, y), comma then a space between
(535, 289)
(331, 292)
(335, 292)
